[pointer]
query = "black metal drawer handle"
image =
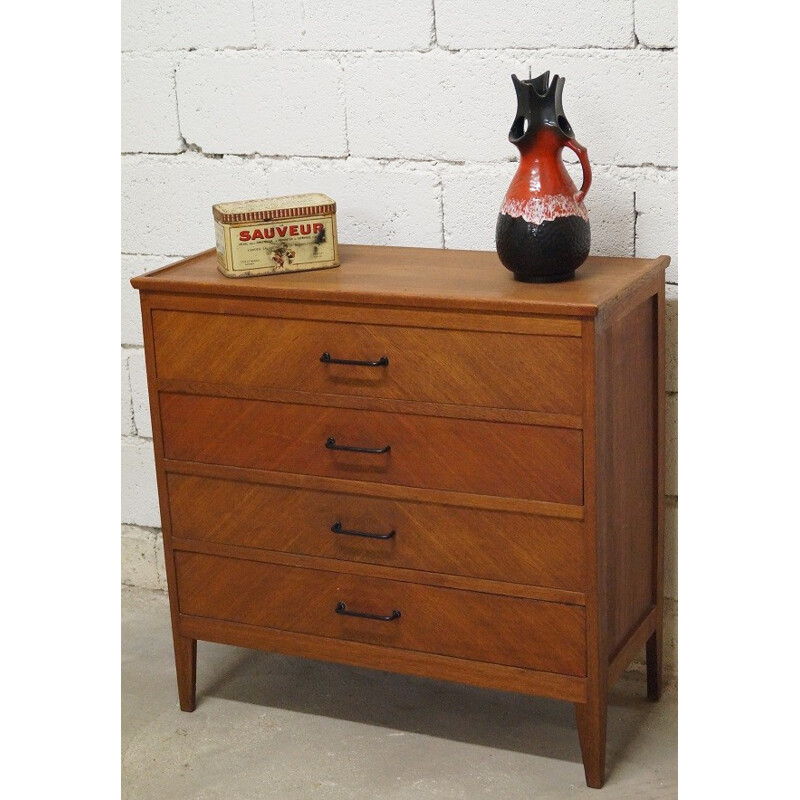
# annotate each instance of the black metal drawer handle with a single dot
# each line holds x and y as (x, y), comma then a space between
(337, 528)
(341, 608)
(326, 358)
(331, 445)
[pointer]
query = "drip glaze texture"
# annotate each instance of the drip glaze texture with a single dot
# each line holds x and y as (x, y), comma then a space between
(543, 233)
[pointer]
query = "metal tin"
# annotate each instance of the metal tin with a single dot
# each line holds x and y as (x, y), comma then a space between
(294, 233)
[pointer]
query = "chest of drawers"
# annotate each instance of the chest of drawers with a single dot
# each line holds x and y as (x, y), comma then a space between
(416, 464)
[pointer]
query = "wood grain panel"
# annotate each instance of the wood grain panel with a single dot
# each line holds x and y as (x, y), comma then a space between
(442, 579)
(450, 319)
(409, 662)
(481, 627)
(387, 490)
(411, 277)
(631, 428)
(504, 370)
(528, 462)
(517, 548)
(490, 414)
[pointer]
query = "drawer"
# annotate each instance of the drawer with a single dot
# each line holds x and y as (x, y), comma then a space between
(498, 545)
(501, 370)
(504, 630)
(493, 458)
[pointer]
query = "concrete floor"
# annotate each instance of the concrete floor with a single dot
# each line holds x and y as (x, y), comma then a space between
(271, 726)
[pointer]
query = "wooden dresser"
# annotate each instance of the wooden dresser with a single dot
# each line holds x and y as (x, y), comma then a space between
(417, 464)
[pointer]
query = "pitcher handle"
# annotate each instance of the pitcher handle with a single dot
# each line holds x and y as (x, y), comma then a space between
(580, 150)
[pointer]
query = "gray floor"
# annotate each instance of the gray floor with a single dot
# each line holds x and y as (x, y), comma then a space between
(270, 726)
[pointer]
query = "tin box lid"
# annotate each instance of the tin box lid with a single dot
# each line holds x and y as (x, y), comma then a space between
(290, 205)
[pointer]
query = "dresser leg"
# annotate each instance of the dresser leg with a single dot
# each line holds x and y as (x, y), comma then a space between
(655, 665)
(186, 668)
(591, 718)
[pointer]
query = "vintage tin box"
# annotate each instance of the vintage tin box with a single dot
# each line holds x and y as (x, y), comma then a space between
(293, 233)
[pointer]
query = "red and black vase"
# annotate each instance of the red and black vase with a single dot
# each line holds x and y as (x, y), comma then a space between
(542, 232)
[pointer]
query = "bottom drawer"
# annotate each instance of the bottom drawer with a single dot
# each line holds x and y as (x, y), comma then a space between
(503, 630)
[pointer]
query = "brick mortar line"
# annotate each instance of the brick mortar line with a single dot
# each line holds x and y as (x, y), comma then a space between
(343, 95)
(148, 528)
(637, 48)
(138, 437)
(633, 23)
(183, 144)
(135, 587)
(131, 410)
(378, 159)
(443, 226)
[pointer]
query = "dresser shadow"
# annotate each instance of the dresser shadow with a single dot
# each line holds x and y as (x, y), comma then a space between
(486, 717)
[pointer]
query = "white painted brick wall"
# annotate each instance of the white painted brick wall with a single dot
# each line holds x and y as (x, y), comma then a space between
(656, 22)
(186, 24)
(400, 112)
(128, 427)
(395, 204)
(610, 207)
(140, 404)
(622, 105)
(504, 24)
(149, 104)
(166, 201)
(254, 102)
(139, 495)
(472, 195)
(437, 105)
(344, 24)
(143, 558)
(459, 106)
(131, 315)
(657, 215)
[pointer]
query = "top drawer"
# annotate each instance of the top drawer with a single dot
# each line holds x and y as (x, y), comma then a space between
(475, 368)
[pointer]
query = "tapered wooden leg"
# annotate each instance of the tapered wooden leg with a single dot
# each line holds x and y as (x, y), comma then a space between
(186, 668)
(655, 664)
(591, 719)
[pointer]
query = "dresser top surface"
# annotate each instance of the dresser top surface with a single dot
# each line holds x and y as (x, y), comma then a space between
(418, 277)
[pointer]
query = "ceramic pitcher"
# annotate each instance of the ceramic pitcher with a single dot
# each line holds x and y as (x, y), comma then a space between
(542, 232)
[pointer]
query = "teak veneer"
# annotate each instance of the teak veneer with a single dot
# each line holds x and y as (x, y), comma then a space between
(504, 527)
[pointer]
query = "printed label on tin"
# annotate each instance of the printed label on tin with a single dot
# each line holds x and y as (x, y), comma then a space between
(282, 245)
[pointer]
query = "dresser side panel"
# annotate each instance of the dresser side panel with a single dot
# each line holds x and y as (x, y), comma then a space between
(630, 487)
